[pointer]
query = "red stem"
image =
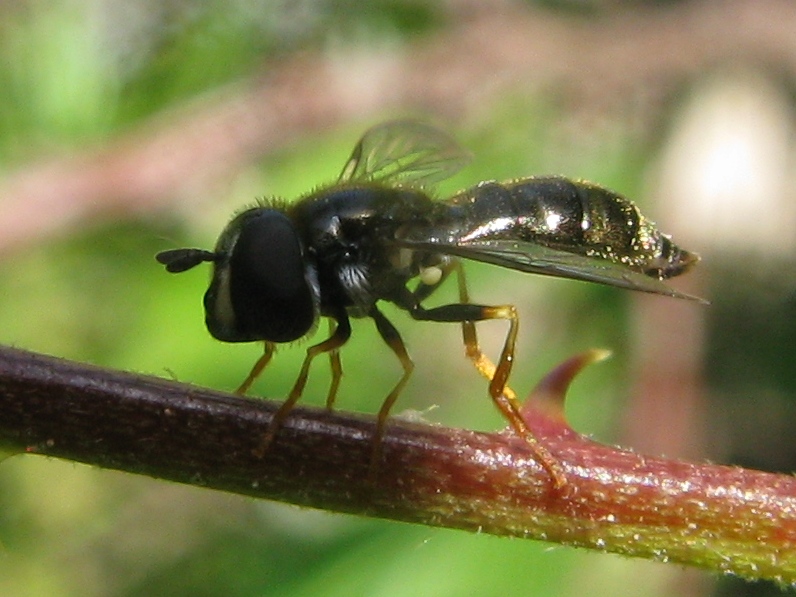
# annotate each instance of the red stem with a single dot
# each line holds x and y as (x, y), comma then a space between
(717, 517)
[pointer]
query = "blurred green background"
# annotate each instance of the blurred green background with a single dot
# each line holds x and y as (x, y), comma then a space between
(127, 128)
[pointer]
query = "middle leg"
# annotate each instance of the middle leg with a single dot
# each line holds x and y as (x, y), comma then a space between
(393, 339)
(337, 369)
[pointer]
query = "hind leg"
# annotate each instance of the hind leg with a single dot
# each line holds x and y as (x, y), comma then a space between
(502, 395)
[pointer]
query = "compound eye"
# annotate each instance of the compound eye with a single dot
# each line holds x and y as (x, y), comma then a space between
(269, 291)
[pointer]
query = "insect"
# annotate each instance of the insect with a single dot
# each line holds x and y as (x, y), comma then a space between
(338, 251)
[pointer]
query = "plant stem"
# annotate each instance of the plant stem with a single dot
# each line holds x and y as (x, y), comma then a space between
(716, 517)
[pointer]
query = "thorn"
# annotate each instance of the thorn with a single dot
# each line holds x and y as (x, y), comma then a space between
(545, 404)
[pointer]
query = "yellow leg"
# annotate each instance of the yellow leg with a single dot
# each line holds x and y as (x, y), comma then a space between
(268, 352)
(337, 371)
(341, 334)
(502, 395)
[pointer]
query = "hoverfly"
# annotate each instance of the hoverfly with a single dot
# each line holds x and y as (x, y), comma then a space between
(336, 252)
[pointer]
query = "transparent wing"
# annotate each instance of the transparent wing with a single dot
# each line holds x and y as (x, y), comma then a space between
(404, 152)
(537, 259)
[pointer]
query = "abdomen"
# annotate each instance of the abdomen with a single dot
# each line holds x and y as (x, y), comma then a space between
(570, 216)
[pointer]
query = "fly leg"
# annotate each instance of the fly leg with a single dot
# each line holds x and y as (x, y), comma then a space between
(339, 337)
(503, 397)
(337, 369)
(472, 349)
(393, 339)
(268, 352)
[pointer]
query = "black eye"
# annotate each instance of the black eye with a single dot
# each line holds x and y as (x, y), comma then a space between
(270, 294)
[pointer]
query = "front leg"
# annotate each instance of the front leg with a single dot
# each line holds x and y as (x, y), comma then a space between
(340, 336)
(259, 366)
